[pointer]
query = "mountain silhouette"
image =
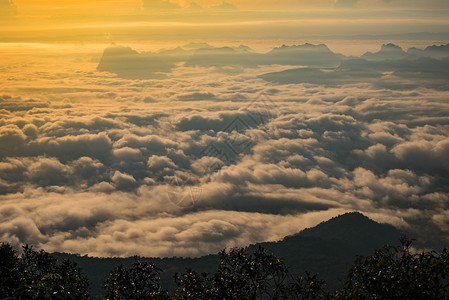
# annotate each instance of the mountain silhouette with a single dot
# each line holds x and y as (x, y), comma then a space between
(306, 55)
(391, 67)
(354, 228)
(434, 51)
(387, 52)
(128, 63)
(328, 249)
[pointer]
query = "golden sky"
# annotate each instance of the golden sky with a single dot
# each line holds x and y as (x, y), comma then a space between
(118, 20)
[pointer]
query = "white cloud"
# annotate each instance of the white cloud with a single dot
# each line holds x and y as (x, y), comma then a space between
(94, 176)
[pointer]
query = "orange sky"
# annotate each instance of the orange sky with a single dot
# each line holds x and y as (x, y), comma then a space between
(119, 20)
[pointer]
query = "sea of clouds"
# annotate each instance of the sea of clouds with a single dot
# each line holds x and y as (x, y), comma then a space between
(210, 157)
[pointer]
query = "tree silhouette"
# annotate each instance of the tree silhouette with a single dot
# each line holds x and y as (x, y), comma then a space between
(389, 273)
(192, 285)
(36, 275)
(398, 273)
(308, 287)
(257, 276)
(248, 276)
(10, 270)
(141, 281)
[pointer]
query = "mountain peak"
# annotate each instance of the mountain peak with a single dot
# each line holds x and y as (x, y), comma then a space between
(438, 48)
(351, 217)
(355, 227)
(387, 52)
(117, 50)
(391, 46)
(330, 247)
(304, 55)
(244, 48)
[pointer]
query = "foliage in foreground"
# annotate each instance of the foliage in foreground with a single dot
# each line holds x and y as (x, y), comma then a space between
(36, 275)
(398, 273)
(141, 281)
(248, 276)
(389, 273)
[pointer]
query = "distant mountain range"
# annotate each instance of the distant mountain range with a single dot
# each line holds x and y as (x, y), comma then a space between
(327, 249)
(393, 52)
(128, 63)
(391, 66)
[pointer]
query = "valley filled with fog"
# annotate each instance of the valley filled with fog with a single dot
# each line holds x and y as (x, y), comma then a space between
(186, 151)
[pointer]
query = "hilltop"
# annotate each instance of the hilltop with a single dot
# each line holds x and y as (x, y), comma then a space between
(327, 249)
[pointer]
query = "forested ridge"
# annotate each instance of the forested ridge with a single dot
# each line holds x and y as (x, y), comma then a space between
(255, 272)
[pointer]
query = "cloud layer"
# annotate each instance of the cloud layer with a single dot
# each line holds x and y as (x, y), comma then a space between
(210, 157)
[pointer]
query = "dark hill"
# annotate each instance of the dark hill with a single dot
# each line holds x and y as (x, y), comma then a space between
(355, 228)
(328, 249)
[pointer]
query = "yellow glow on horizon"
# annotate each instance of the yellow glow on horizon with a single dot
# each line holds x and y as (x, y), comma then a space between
(51, 8)
(99, 21)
